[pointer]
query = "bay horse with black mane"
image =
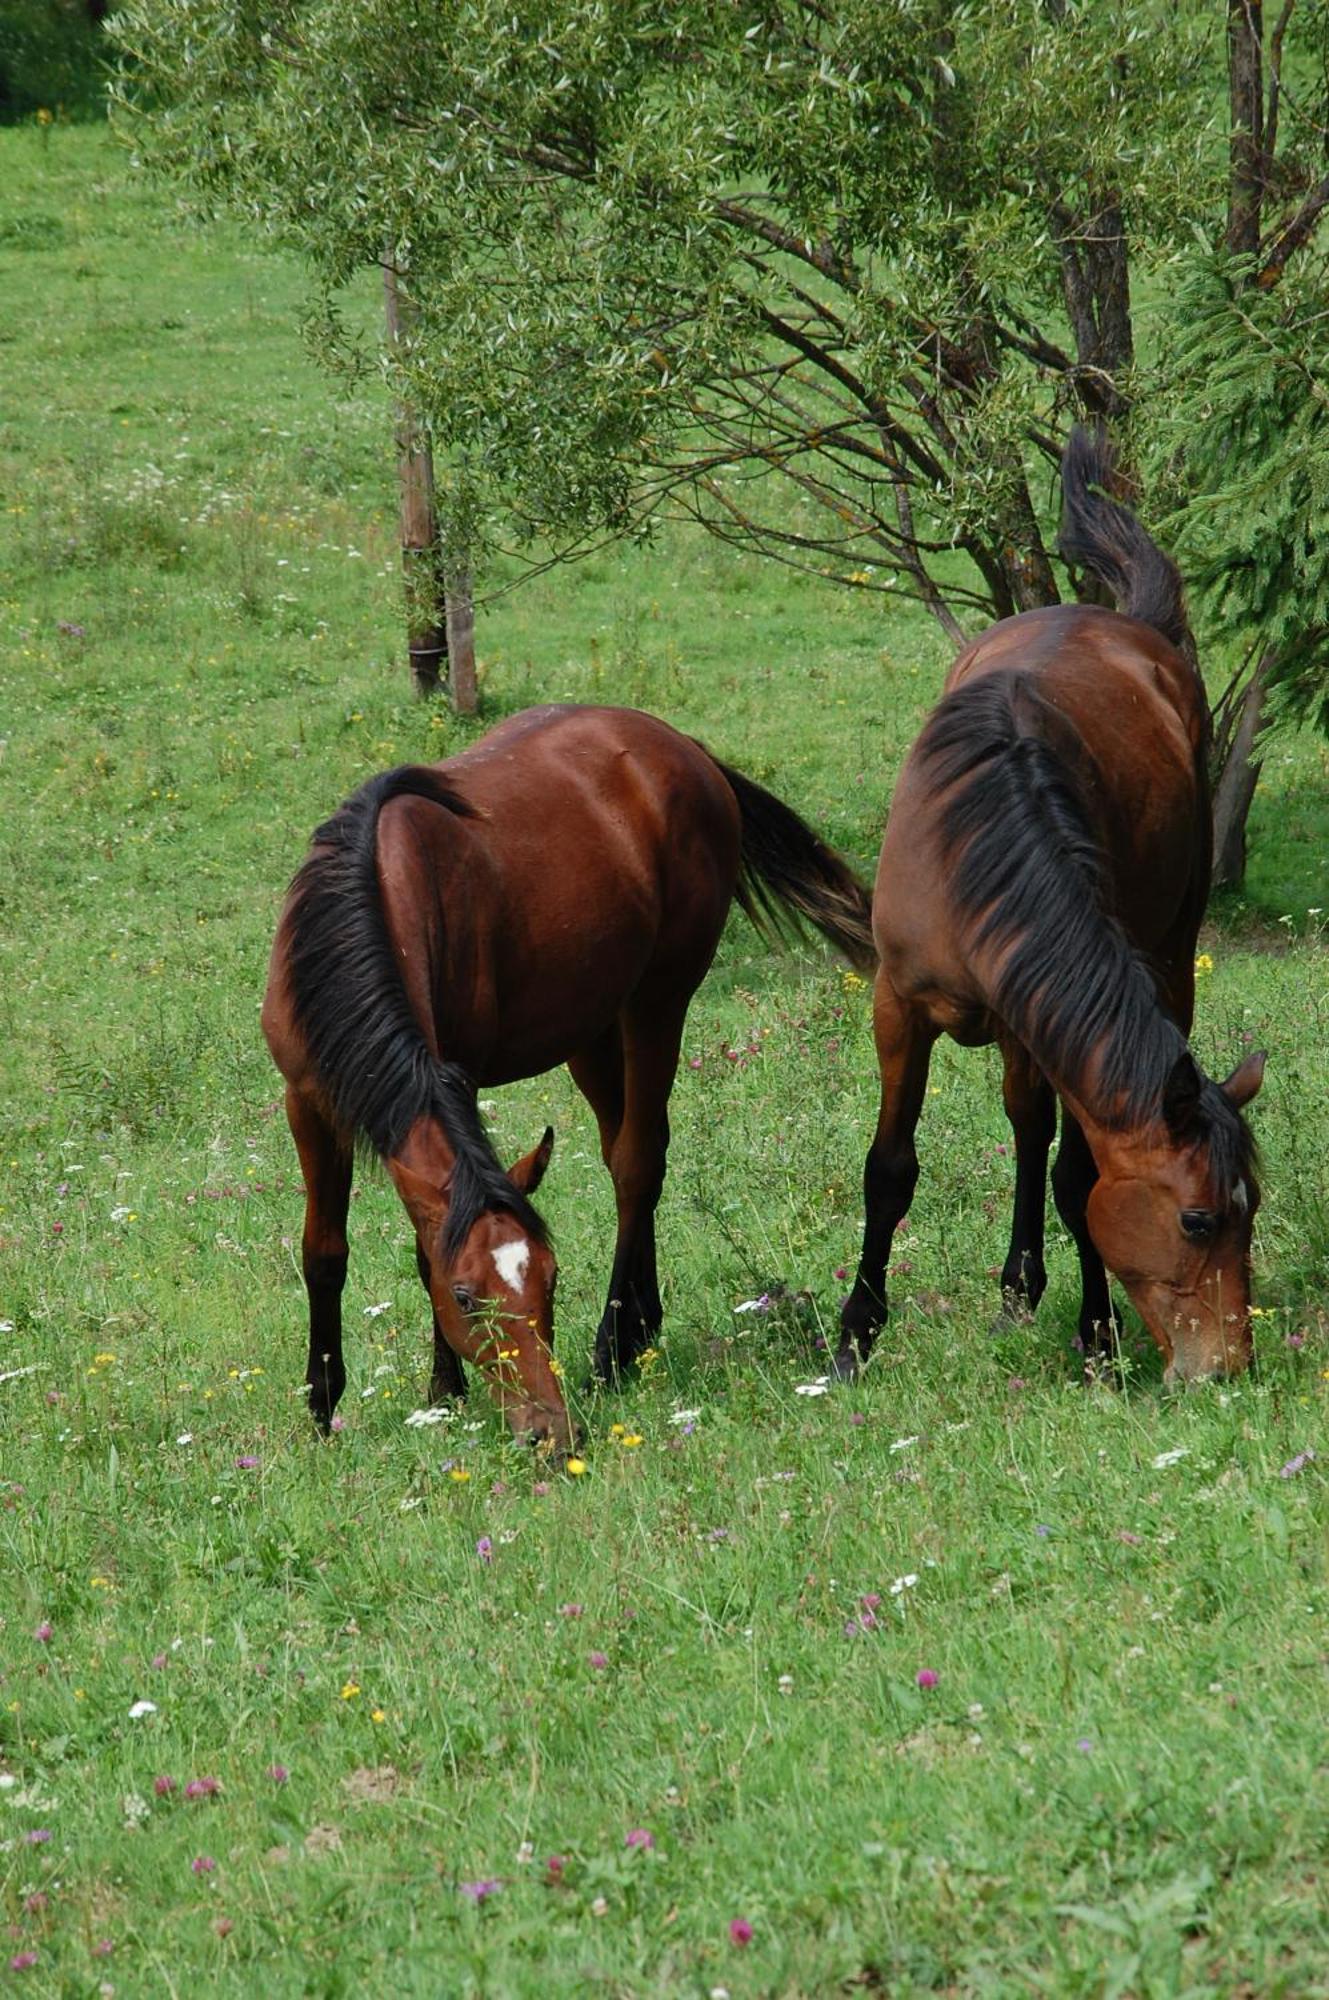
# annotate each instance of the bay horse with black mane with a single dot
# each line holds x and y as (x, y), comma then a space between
(1043, 874)
(553, 894)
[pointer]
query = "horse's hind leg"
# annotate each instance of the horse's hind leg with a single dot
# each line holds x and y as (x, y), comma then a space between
(1073, 1178)
(326, 1163)
(904, 1040)
(448, 1378)
(1031, 1107)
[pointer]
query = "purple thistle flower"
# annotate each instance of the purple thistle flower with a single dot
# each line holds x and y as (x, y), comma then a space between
(45, 1632)
(163, 1786)
(37, 1836)
(640, 1836)
(1296, 1465)
(740, 1931)
(247, 1463)
(926, 1677)
(103, 1948)
(202, 1788)
(203, 1864)
(484, 1548)
(278, 1773)
(160, 1660)
(1085, 1745)
(478, 1891)
(23, 1961)
(570, 1610)
(599, 1660)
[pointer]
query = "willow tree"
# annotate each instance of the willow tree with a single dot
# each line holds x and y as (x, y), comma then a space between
(827, 276)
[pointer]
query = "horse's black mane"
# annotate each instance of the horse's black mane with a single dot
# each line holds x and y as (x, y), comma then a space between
(364, 1041)
(1028, 876)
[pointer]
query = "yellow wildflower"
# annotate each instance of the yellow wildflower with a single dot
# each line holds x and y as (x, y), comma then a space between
(1203, 963)
(350, 1691)
(576, 1467)
(460, 1474)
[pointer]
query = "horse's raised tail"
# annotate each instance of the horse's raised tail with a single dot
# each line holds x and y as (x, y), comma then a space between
(787, 872)
(1102, 536)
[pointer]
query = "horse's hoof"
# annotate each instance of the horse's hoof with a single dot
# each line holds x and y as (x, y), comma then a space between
(847, 1365)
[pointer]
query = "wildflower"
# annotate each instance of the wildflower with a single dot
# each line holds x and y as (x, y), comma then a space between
(1170, 1457)
(599, 1661)
(142, 1708)
(23, 1961)
(420, 1419)
(740, 1931)
(820, 1387)
(337, 1424)
(570, 1610)
(1042, 1529)
(378, 1715)
(688, 1417)
(759, 1305)
(37, 1836)
(1085, 1745)
(484, 1548)
(554, 1868)
(576, 1467)
(785, 1683)
(203, 1864)
(278, 1773)
(350, 1690)
(103, 1948)
(630, 1440)
(247, 1462)
(478, 1891)
(460, 1474)
(639, 1836)
(36, 1903)
(160, 1660)
(45, 1632)
(927, 1678)
(1296, 1465)
(600, 1907)
(540, 1488)
(1203, 963)
(857, 1417)
(163, 1786)
(202, 1788)
(903, 1583)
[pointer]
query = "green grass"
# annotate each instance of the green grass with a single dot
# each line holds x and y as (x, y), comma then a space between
(1118, 1785)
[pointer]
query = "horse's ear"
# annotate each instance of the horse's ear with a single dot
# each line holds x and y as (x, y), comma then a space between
(1245, 1079)
(1181, 1095)
(425, 1201)
(526, 1174)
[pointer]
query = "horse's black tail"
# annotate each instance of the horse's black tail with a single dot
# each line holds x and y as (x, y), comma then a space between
(786, 872)
(1102, 536)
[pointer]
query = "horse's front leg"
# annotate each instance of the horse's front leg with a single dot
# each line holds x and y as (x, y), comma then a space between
(326, 1163)
(904, 1038)
(1031, 1107)
(636, 1159)
(1073, 1179)
(448, 1377)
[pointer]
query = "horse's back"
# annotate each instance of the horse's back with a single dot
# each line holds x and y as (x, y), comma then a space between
(603, 847)
(1124, 713)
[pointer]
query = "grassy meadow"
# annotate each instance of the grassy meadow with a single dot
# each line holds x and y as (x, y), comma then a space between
(409, 1711)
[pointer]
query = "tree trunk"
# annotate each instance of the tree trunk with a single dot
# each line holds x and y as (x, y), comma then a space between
(1237, 779)
(461, 642)
(1245, 49)
(426, 611)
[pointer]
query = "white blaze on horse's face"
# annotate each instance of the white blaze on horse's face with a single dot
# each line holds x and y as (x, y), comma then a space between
(510, 1261)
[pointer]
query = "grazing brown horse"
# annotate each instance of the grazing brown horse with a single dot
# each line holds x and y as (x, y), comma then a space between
(1043, 873)
(553, 894)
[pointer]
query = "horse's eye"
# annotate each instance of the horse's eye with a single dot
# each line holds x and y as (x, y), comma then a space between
(466, 1300)
(1199, 1224)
